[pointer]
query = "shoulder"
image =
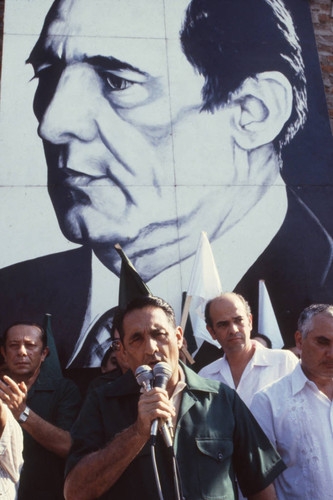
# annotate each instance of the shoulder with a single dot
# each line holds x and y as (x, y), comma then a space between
(282, 355)
(46, 263)
(201, 386)
(60, 387)
(273, 391)
(276, 357)
(212, 368)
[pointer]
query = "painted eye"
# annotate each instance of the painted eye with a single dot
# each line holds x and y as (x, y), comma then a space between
(116, 83)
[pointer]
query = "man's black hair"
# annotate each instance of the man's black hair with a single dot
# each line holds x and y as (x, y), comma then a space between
(141, 303)
(25, 323)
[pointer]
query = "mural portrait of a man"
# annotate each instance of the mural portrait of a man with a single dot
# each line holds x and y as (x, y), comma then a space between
(160, 119)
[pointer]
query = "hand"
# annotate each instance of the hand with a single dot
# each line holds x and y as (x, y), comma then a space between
(2, 409)
(153, 404)
(13, 395)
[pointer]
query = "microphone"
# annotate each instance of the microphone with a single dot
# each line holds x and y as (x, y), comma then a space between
(144, 376)
(162, 373)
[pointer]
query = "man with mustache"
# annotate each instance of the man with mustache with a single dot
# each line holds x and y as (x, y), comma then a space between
(246, 366)
(215, 438)
(45, 405)
(296, 411)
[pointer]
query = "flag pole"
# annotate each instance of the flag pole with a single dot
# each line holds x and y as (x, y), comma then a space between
(141, 288)
(186, 310)
(183, 321)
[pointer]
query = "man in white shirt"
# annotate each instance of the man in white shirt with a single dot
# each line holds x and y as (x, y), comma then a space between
(296, 412)
(11, 447)
(247, 366)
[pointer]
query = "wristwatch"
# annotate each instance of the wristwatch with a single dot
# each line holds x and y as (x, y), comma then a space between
(24, 415)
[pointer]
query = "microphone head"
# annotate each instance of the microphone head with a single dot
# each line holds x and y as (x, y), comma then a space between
(162, 373)
(144, 375)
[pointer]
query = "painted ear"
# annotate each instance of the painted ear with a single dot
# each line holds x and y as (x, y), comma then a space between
(262, 105)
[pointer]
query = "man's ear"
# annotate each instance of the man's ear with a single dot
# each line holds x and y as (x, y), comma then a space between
(179, 336)
(45, 353)
(262, 105)
(298, 340)
(123, 350)
(211, 331)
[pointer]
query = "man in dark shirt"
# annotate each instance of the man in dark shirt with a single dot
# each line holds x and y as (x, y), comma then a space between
(216, 436)
(45, 404)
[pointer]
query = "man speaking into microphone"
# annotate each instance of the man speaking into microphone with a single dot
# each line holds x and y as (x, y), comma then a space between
(216, 438)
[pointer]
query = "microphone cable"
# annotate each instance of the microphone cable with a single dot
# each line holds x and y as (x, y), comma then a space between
(144, 376)
(160, 374)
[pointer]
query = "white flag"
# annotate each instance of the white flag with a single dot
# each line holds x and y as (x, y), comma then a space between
(204, 285)
(267, 323)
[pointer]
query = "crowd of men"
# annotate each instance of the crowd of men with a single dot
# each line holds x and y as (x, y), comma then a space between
(256, 423)
(281, 449)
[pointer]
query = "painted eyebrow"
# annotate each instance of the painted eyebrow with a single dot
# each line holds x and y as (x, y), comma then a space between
(111, 64)
(41, 55)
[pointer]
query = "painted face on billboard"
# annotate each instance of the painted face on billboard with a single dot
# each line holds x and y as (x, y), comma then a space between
(133, 156)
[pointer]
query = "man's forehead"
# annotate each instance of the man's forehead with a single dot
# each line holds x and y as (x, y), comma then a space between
(23, 332)
(145, 319)
(228, 306)
(118, 18)
(322, 323)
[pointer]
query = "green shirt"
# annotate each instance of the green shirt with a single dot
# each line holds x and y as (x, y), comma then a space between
(216, 438)
(56, 400)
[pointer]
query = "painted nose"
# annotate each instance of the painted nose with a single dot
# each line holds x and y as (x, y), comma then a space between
(71, 113)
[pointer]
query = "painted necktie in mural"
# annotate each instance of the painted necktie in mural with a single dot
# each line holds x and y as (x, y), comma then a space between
(158, 120)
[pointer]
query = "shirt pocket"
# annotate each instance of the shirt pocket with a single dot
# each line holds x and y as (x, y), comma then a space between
(215, 468)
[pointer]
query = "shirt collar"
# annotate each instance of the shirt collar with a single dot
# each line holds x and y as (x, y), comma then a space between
(181, 384)
(298, 379)
(261, 355)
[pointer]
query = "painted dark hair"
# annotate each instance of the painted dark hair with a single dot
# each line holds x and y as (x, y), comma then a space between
(228, 41)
